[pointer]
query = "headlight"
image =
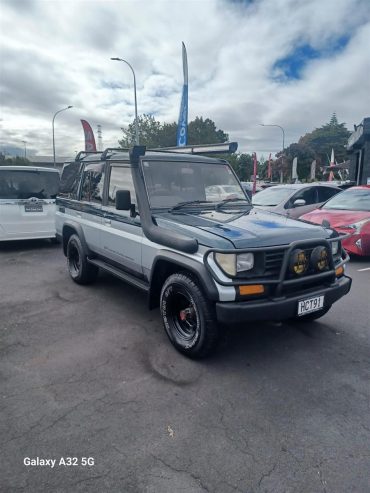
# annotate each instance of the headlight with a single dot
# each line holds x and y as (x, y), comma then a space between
(244, 261)
(231, 264)
(227, 262)
(334, 247)
(357, 226)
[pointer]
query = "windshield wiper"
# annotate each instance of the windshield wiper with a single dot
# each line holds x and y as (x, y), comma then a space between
(189, 202)
(226, 201)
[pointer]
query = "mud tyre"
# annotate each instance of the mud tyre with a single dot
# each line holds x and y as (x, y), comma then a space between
(188, 316)
(78, 266)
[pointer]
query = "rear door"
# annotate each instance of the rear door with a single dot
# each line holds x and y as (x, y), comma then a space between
(91, 197)
(309, 195)
(121, 234)
(27, 203)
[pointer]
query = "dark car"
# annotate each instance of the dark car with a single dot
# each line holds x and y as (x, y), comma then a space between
(150, 218)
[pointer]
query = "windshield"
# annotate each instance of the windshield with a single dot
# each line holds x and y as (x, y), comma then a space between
(171, 183)
(24, 184)
(272, 196)
(350, 200)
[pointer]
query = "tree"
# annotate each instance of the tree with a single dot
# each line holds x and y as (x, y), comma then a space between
(153, 133)
(205, 132)
(149, 132)
(305, 155)
(332, 135)
(13, 161)
(242, 164)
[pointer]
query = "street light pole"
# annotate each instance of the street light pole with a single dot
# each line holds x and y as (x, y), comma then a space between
(25, 148)
(63, 109)
(281, 128)
(136, 119)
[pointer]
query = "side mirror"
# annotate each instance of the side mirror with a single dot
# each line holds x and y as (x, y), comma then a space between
(299, 203)
(123, 200)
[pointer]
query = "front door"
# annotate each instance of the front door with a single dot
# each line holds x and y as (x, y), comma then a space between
(121, 233)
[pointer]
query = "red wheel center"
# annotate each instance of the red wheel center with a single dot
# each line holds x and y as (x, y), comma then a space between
(186, 314)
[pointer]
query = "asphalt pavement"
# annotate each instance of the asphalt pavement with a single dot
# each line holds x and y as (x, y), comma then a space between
(90, 381)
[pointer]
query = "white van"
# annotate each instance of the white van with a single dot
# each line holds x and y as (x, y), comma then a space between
(27, 202)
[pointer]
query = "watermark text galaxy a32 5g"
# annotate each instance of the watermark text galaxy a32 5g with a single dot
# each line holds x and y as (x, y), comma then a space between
(59, 462)
(178, 225)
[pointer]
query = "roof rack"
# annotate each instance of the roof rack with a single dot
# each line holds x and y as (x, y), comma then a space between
(111, 149)
(220, 148)
(83, 154)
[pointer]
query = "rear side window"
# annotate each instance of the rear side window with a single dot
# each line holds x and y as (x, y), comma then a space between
(309, 195)
(93, 183)
(70, 179)
(25, 184)
(120, 179)
(326, 193)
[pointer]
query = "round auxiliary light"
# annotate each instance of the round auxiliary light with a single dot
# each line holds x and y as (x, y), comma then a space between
(298, 262)
(320, 258)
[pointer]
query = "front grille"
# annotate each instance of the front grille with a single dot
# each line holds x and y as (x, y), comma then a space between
(273, 262)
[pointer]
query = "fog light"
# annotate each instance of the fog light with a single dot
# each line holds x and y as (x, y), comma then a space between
(251, 289)
(298, 262)
(320, 258)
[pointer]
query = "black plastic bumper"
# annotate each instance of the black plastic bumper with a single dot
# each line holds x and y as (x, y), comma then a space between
(279, 308)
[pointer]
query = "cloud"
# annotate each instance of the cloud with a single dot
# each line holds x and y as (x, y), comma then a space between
(268, 61)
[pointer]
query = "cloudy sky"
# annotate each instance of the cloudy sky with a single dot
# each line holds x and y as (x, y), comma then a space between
(286, 62)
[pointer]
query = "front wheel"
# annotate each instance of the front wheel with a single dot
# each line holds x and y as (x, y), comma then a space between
(188, 317)
(78, 266)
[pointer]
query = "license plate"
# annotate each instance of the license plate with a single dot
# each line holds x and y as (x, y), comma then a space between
(33, 208)
(310, 305)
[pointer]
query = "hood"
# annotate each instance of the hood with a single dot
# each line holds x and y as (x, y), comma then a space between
(251, 228)
(336, 218)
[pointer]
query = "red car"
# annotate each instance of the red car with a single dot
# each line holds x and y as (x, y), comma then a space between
(348, 212)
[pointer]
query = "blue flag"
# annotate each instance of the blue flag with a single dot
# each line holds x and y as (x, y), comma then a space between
(182, 127)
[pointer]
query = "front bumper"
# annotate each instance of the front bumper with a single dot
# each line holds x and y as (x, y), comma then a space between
(281, 308)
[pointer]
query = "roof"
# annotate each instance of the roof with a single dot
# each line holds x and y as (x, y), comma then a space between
(28, 168)
(48, 159)
(297, 186)
(154, 156)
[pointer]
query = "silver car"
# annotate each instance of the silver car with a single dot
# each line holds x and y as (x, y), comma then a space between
(294, 200)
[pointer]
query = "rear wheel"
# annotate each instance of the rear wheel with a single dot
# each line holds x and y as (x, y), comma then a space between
(79, 268)
(314, 315)
(188, 317)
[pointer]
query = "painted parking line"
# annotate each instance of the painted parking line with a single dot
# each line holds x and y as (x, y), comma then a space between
(362, 270)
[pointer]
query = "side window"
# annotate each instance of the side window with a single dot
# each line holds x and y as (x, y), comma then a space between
(309, 195)
(120, 179)
(96, 186)
(325, 193)
(85, 186)
(92, 184)
(70, 180)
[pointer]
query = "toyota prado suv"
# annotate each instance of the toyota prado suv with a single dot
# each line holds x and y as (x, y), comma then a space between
(179, 226)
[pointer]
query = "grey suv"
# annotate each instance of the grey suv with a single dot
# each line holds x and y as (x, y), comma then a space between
(152, 219)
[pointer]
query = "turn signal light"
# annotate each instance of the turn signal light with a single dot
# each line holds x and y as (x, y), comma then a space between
(251, 289)
(339, 271)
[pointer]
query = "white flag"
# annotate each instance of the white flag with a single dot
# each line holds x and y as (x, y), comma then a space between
(294, 169)
(313, 170)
